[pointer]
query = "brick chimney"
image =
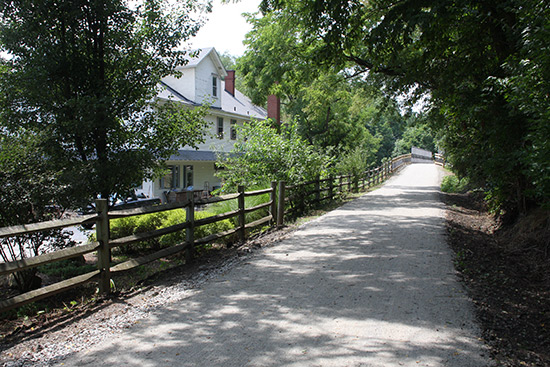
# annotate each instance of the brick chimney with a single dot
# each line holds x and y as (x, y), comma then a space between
(230, 82)
(274, 108)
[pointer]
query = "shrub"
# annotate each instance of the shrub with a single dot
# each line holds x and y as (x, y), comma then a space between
(452, 184)
(142, 223)
(150, 222)
(178, 216)
(263, 154)
(66, 269)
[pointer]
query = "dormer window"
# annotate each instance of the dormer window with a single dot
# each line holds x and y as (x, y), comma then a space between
(214, 86)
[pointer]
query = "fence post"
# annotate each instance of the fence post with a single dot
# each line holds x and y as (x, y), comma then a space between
(240, 200)
(330, 187)
(281, 204)
(190, 231)
(369, 175)
(355, 183)
(273, 198)
(350, 177)
(340, 184)
(317, 190)
(104, 250)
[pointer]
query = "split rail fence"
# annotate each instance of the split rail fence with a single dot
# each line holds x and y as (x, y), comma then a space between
(280, 203)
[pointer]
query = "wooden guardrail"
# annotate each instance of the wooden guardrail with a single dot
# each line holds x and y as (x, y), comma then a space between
(314, 192)
(105, 244)
(301, 195)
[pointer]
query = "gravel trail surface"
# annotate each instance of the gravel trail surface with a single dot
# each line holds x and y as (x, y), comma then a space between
(369, 284)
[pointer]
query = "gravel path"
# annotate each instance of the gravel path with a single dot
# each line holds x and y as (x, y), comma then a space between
(369, 284)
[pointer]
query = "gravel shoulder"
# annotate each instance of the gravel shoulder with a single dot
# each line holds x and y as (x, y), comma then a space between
(369, 284)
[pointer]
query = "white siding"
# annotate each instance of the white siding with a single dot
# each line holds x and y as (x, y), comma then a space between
(203, 83)
(185, 84)
(212, 142)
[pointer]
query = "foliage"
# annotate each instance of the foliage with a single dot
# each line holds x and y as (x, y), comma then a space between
(83, 74)
(29, 191)
(355, 163)
(178, 216)
(263, 154)
(453, 184)
(319, 101)
(249, 202)
(149, 222)
(482, 66)
(66, 269)
(417, 134)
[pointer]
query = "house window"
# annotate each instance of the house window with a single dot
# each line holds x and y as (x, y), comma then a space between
(188, 177)
(214, 86)
(220, 128)
(233, 130)
(171, 180)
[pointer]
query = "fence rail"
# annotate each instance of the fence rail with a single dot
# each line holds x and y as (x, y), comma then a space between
(278, 205)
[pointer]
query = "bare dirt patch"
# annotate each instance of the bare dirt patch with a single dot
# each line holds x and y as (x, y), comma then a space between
(507, 272)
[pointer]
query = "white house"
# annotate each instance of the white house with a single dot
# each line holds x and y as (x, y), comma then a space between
(204, 79)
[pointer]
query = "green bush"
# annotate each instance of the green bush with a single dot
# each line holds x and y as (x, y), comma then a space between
(132, 225)
(452, 184)
(178, 216)
(150, 222)
(250, 201)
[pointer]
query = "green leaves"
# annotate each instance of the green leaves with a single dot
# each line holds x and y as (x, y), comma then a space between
(83, 76)
(263, 154)
(483, 64)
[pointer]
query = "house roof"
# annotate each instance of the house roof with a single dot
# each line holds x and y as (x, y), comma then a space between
(241, 104)
(169, 92)
(195, 155)
(201, 54)
(238, 105)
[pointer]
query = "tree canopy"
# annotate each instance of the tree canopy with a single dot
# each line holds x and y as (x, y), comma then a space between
(327, 103)
(84, 74)
(483, 65)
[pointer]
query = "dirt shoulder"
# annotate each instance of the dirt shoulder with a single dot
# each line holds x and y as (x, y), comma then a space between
(507, 272)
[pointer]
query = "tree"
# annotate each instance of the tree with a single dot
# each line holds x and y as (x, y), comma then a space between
(320, 101)
(263, 154)
(418, 134)
(30, 192)
(470, 57)
(84, 74)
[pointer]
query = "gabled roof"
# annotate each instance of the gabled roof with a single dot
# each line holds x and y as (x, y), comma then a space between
(200, 55)
(237, 104)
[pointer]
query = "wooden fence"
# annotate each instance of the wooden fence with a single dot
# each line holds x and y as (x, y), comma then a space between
(302, 195)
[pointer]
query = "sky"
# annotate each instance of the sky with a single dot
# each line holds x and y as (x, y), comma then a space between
(226, 27)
